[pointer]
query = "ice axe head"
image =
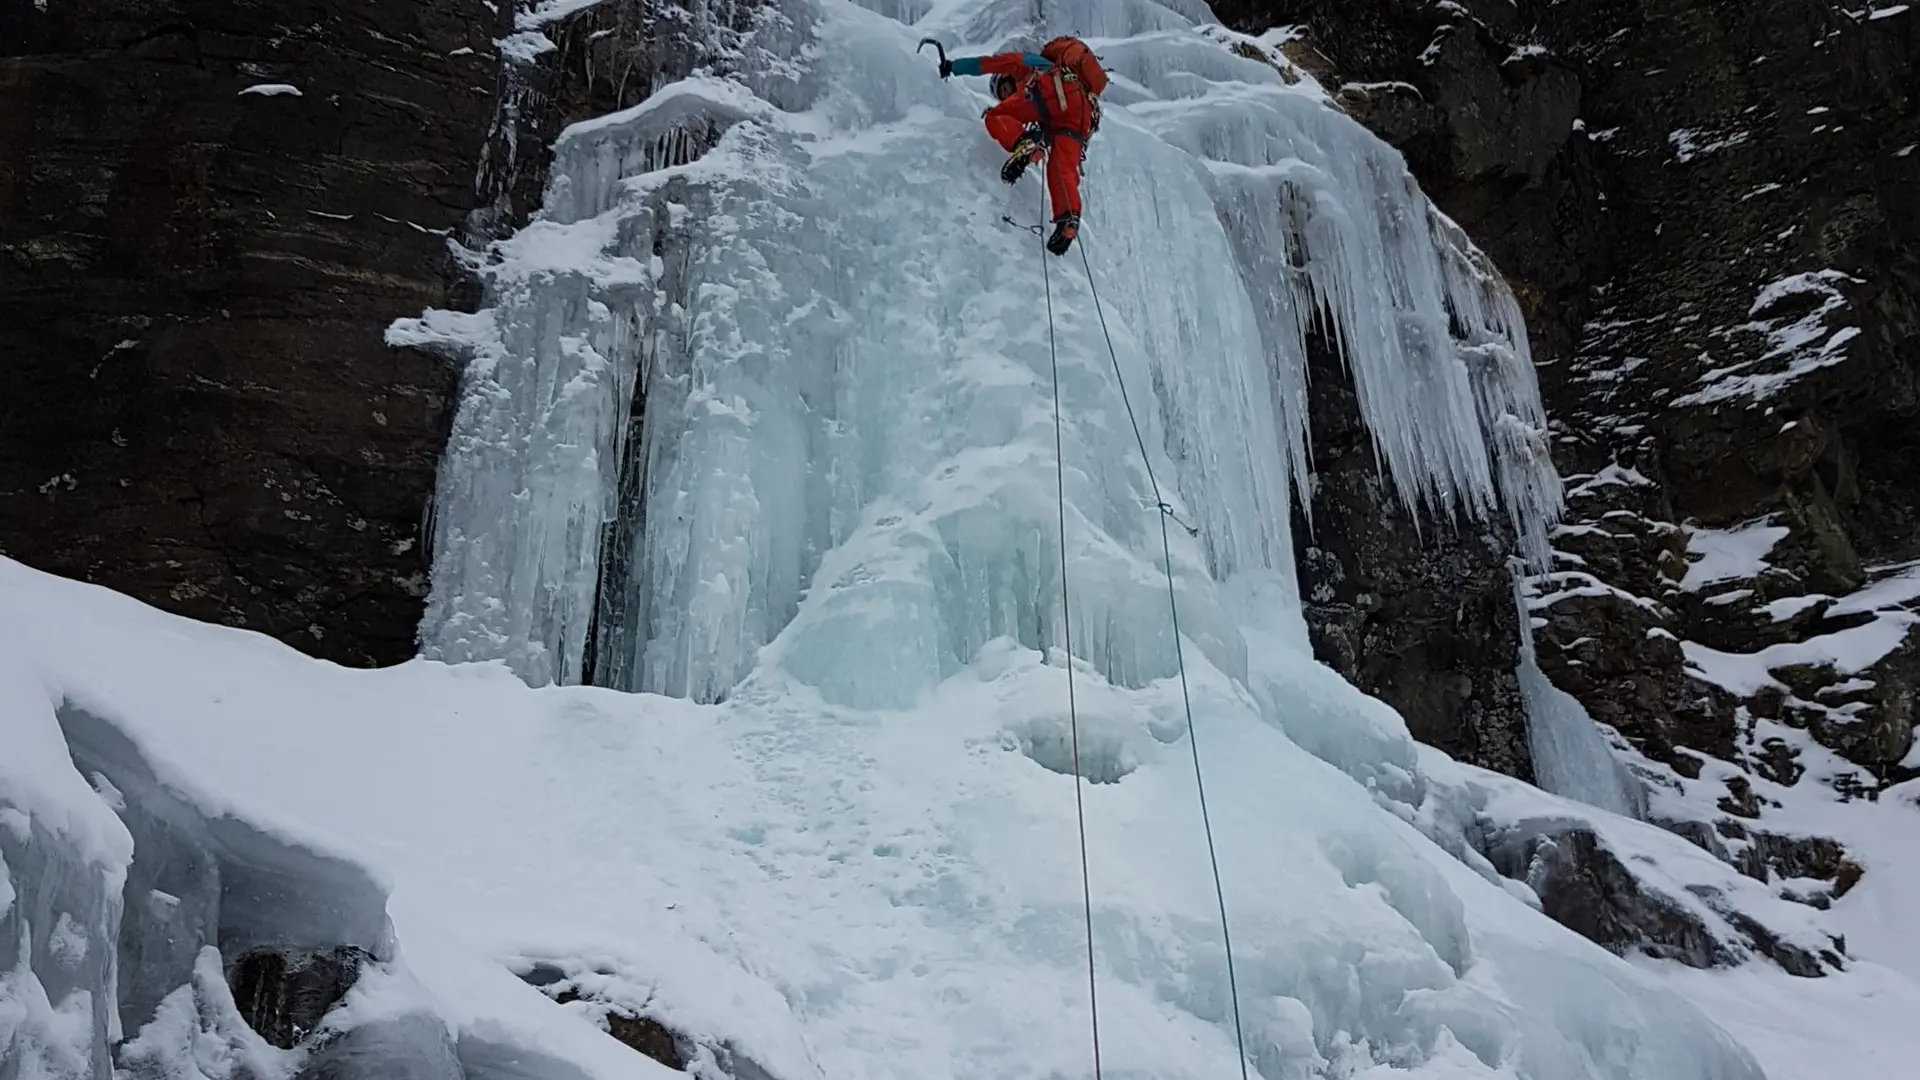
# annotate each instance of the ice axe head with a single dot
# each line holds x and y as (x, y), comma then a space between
(937, 47)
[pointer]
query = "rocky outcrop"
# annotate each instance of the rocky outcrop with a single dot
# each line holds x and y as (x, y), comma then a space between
(625, 1008)
(586, 989)
(1708, 212)
(1418, 614)
(283, 993)
(1584, 885)
(208, 215)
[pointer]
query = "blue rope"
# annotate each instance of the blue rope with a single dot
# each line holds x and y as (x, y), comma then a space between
(1066, 618)
(1173, 606)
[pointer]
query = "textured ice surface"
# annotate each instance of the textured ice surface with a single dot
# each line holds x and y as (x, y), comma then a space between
(63, 858)
(56, 952)
(410, 1046)
(1571, 756)
(842, 350)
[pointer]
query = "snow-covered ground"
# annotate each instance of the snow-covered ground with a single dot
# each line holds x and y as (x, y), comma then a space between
(1860, 1022)
(839, 892)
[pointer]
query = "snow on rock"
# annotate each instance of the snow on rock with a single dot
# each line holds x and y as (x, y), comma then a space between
(1546, 590)
(1854, 1022)
(271, 90)
(1890, 587)
(1717, 555)
(525, 46)
(1689, 144)
(1847, 651)
(1793, 316)
(1613, 475)
(1633, 886)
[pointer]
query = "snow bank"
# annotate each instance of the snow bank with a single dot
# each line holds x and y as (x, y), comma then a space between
(852, 892)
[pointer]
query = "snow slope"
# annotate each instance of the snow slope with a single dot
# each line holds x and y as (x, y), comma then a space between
(852, 893)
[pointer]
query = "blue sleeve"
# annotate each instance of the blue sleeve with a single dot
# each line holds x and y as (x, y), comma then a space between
(970, 65)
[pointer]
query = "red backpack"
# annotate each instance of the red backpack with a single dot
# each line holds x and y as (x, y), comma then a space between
(1072, 53)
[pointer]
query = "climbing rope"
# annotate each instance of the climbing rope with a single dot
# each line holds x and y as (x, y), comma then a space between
(1179, 653)
(1066, 620)
(1173, 607)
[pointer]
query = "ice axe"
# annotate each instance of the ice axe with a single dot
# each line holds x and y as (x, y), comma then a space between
(946, 66)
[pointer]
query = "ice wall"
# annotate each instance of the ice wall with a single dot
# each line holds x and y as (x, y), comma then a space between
(798, 276)
(63, 859)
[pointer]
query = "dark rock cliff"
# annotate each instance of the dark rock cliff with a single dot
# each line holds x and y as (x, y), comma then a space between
(197, 407)
(1420, 614)
(197, 268)
(1710, 211)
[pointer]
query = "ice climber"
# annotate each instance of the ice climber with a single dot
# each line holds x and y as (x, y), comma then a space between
(1049, 107)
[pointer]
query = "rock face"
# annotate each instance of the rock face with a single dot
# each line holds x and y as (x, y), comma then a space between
(1420, 615)
(624, 1006)
(283, 993)
(1586, 887)
(208, 215)
(1710, 212)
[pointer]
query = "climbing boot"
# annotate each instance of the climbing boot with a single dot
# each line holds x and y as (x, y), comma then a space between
(1027, 151)
(1065, 228)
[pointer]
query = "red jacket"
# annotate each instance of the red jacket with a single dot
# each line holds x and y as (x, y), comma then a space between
(1063, 104)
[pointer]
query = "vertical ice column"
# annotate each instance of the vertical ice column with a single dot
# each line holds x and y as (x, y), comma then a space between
(531, 467)
(1570, 755)
(539, 501)
(1490, 335)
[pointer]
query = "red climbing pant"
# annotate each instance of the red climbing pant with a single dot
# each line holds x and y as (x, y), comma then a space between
(1008, 119)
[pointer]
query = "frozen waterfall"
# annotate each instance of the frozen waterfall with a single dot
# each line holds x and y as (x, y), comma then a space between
(798, 279)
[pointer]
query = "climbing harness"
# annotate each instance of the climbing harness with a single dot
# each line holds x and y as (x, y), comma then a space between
(1173, 606)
